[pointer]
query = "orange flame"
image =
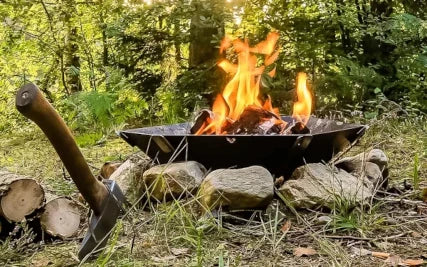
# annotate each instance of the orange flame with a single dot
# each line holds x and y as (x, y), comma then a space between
(302, 108)
(243, 89)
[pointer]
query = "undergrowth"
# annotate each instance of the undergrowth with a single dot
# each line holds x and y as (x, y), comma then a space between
(178, 234)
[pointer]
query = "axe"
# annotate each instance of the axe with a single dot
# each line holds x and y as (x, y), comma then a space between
(104, 198)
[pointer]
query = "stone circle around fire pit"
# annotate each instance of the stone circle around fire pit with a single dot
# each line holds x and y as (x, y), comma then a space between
(355, 179)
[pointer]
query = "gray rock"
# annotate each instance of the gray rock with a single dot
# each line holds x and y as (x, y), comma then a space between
(129, 175)
(373, 174)
(361, 165)
(323, 220)
(174, 179)
(316, 184)
(378, 157)
(356, 163)
(234, 189)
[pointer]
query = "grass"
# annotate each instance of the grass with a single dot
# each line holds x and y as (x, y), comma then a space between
(177, 234)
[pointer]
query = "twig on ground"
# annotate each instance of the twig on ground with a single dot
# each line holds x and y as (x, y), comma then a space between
(403, 200)
(386, 238)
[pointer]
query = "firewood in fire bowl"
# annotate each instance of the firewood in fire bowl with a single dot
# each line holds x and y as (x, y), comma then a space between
(254, 120)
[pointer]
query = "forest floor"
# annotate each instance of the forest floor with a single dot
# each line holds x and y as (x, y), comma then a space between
(171, 235)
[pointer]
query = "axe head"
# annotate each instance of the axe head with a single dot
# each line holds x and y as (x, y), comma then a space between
(101, 226)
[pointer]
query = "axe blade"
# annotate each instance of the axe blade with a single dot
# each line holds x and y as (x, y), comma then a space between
(101, 226)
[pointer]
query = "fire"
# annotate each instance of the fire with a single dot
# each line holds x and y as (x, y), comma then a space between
(302, 108)
(243, 90)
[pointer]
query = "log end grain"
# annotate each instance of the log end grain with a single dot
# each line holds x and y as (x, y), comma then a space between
(60, 218)
(22, 198)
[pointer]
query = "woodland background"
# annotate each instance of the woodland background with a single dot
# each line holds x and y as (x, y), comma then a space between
(105, 64)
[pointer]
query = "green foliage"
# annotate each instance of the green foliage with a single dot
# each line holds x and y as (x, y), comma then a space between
(348, 216)
(131, 61)
(103, 110)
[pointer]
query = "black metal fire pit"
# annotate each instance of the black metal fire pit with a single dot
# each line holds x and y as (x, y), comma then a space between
(281, 154)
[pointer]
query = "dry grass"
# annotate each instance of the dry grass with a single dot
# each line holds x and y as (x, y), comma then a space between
(174, 234)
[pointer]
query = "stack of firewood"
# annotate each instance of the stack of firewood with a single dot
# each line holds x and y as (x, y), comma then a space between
(22, 198)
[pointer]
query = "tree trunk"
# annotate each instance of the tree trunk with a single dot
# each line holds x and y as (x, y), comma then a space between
(345, 33)
(206, 23)
(72, 59)
(20, 196)
(177, 43)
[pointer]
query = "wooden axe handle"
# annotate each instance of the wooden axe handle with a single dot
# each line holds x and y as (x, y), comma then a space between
(33, 105)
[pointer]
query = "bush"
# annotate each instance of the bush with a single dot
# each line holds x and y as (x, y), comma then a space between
(96, 110)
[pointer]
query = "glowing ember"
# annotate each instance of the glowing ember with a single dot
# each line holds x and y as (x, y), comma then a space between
(241, 96)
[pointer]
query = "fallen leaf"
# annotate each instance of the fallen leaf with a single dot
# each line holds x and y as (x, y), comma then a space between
(179, 251)
(381, 255)
(286, 226)
(300, 251)
(394, 260)
(412, 262)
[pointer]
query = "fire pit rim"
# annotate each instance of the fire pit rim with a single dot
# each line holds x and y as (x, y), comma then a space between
(187, 126)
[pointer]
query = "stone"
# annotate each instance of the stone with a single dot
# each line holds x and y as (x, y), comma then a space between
(129, 175)
(237, 189)
(378, 157)
(323, 220)
(356, 163)
(174, 179)
(373, 174)
(316, 184)
(362, 165)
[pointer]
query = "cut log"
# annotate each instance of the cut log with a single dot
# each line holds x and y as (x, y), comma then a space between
(108, 168)
(60, 217)
(20, 196)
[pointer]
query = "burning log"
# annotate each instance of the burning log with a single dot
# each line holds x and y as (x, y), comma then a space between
(297, 128)
(20, 196)
(256, 120)
(60, 217)
(202, 120)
